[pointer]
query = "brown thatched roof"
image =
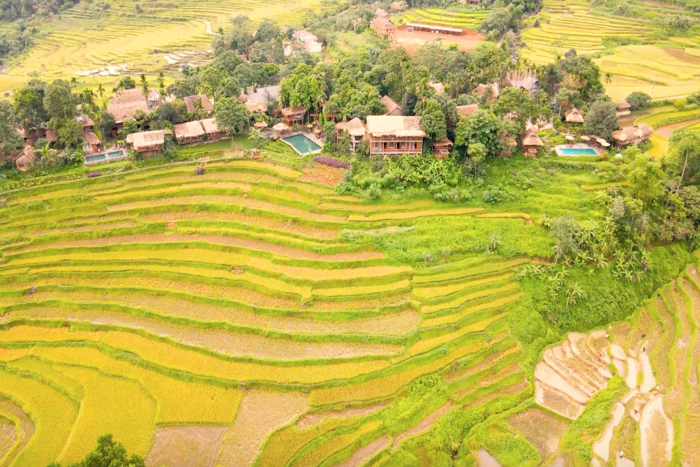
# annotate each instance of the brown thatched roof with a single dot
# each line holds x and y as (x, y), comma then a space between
(125, 104)
(495, 90)
(526, 80)
(574, 116)
(210, 126)
(281, 127)
(631, 134)
(531, 139)
(91, 138)
(467, 110)
(390, 104)
(190, 103)
(621, 106)
(188, 130)
(84, 120)
(252, 107)
(355, 127)
(146, 139)
(382, 24)
(293, 111)
(443, 143)
(388, 125)
(260, 124)
(25, 159)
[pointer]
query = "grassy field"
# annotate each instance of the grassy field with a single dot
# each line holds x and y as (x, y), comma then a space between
(456, 17)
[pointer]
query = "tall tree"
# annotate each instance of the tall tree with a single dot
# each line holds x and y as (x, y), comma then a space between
(433, 121)
(10, 140)
(481, 127)
(601, 119)
(29, 105)
(231, 116)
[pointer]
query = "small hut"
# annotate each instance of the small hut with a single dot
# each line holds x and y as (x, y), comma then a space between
(467, 110)
(260, 125)
(574, 116)
(531, 142)
(623, 108)
(25, 159)
(293, 115)
(392, 107)
(281, 128)
(355, 129)
(632, 134)
(509, 142)
(441, 148)
(92, 142)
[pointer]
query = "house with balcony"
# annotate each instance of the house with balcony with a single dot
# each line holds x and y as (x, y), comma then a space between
(394, 135)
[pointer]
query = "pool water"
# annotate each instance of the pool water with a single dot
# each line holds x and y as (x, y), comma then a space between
(302, 144)
(578, 151)
(114, 155)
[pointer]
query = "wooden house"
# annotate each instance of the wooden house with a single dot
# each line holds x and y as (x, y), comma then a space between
(356, 131)
(147, 143)
(623, 108)
(25, 159)
(573, 116)
(189, 132)
(86, 121)
(632, 134)
(125, 104)
(92, 142)
(392, 107)
(394, 135)
(191, 103)
(467, 110)
(383, 27)
(531, 143)
(212, 130)
(441, 148)
(293, 115)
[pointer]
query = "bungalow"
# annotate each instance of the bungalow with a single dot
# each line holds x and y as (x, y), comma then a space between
(632, 134)
(437, 86)
(531, 142)
(492, 89)
(390, 134)
(25, 159)
(383, 27)
(212, 130)
(441, 148)
(86, 121)
(191, 103)
(293, 115)
(92, 142)
(355, 129)
(189, 132)
(308, 40)
(526, 81)
(147, 143)
(125, 104)
(467, 110)
(622, 108)
(31, 137)
(392, 108)
(573, 116)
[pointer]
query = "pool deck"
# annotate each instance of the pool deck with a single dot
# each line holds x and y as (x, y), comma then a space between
(124, 156)
(311, 136)
(558, 149)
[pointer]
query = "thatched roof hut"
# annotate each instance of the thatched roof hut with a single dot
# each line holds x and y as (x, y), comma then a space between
(125, 104)
(530, 143)
(390, 125)
(188, 131)
(467, 110)
(190, 102)
(260, 124)
(574, 116)
(392, 107)
(25, 159)
(354, 127)
(632, 134)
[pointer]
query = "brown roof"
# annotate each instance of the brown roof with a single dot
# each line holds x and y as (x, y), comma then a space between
(146, 139)
(51, 136)
(632, 133)
(495, 90)
(523, 79)
(84, 120)
(355, 127)
(467, 110)
(25, 159)
(622, 106)
(91, 138)
(385, 125)
(189, 130)
(125, 104)
(210, 126)
(574, 116)
(255, 107)
(382, 24)
(291, 111)
(390, 104)
(190, 100)
(443, 142)
(281, 127)
(531, 139)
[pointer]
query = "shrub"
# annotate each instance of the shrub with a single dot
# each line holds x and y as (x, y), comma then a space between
(332, 162)
(94, 174)
(638, 100)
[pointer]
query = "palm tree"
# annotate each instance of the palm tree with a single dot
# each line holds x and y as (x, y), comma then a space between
(608, 77)
(100, 90)
(144, 85)
(161, 83)
(48, 157)
(573, 294)
(73, 82)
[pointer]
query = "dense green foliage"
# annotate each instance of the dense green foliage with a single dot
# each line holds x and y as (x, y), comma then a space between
(107, 453)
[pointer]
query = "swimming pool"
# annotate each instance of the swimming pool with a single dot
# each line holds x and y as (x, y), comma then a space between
(302, 144)
(576, 152)
(105, 157)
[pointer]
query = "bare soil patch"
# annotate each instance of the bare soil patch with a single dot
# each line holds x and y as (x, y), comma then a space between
(681, 54)
(185, 446)
(423, 426)
(690, 439)
(412, 41)
(323, 175)
(602, 446)
(485, 459)
(656, 440)
(260, 414)
(541, 429)
(557, 401)
(365, 453)
(7, 436)
(26, 426)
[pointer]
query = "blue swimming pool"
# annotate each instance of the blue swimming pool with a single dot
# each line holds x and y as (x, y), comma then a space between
(105, 157)
(302, 144)
(577, 151)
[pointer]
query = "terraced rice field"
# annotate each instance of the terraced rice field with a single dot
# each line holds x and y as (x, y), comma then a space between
(82, 39)
(458, 19)
(659, 70)
(224, 315)
(654, 417)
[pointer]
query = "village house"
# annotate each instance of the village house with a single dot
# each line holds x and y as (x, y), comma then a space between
(147, 143)
(434, 28)
(92, 142)
(25, 159)
(632, 134)
(383, 27)
(622, 108)
(573, 116)
(125, 104)
(437, 86)
(491, 91)
(189, 132)
(396, 135)
(392, 108)
(467, 110)
(441, 149)
(191, 103)
(293, 115)
(356, 131)
(531, 143)
(212, 130)
(31, 137)
(305, 40)
(526, 81)
(257, 101)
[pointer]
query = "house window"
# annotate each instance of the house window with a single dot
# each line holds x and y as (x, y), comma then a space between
(391, 145)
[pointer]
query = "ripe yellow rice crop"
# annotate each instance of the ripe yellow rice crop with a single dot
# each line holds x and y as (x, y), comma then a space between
(414, 214)
(199, 364)
(363, 290)
(427, 293)
(456, 303)
(111, 405)
(456, 317)
(485, 268)
(9, 355)
(47, 372)
(178, 402)
(316, 275)
(52, 412)
(316, 456)
(39, 334)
